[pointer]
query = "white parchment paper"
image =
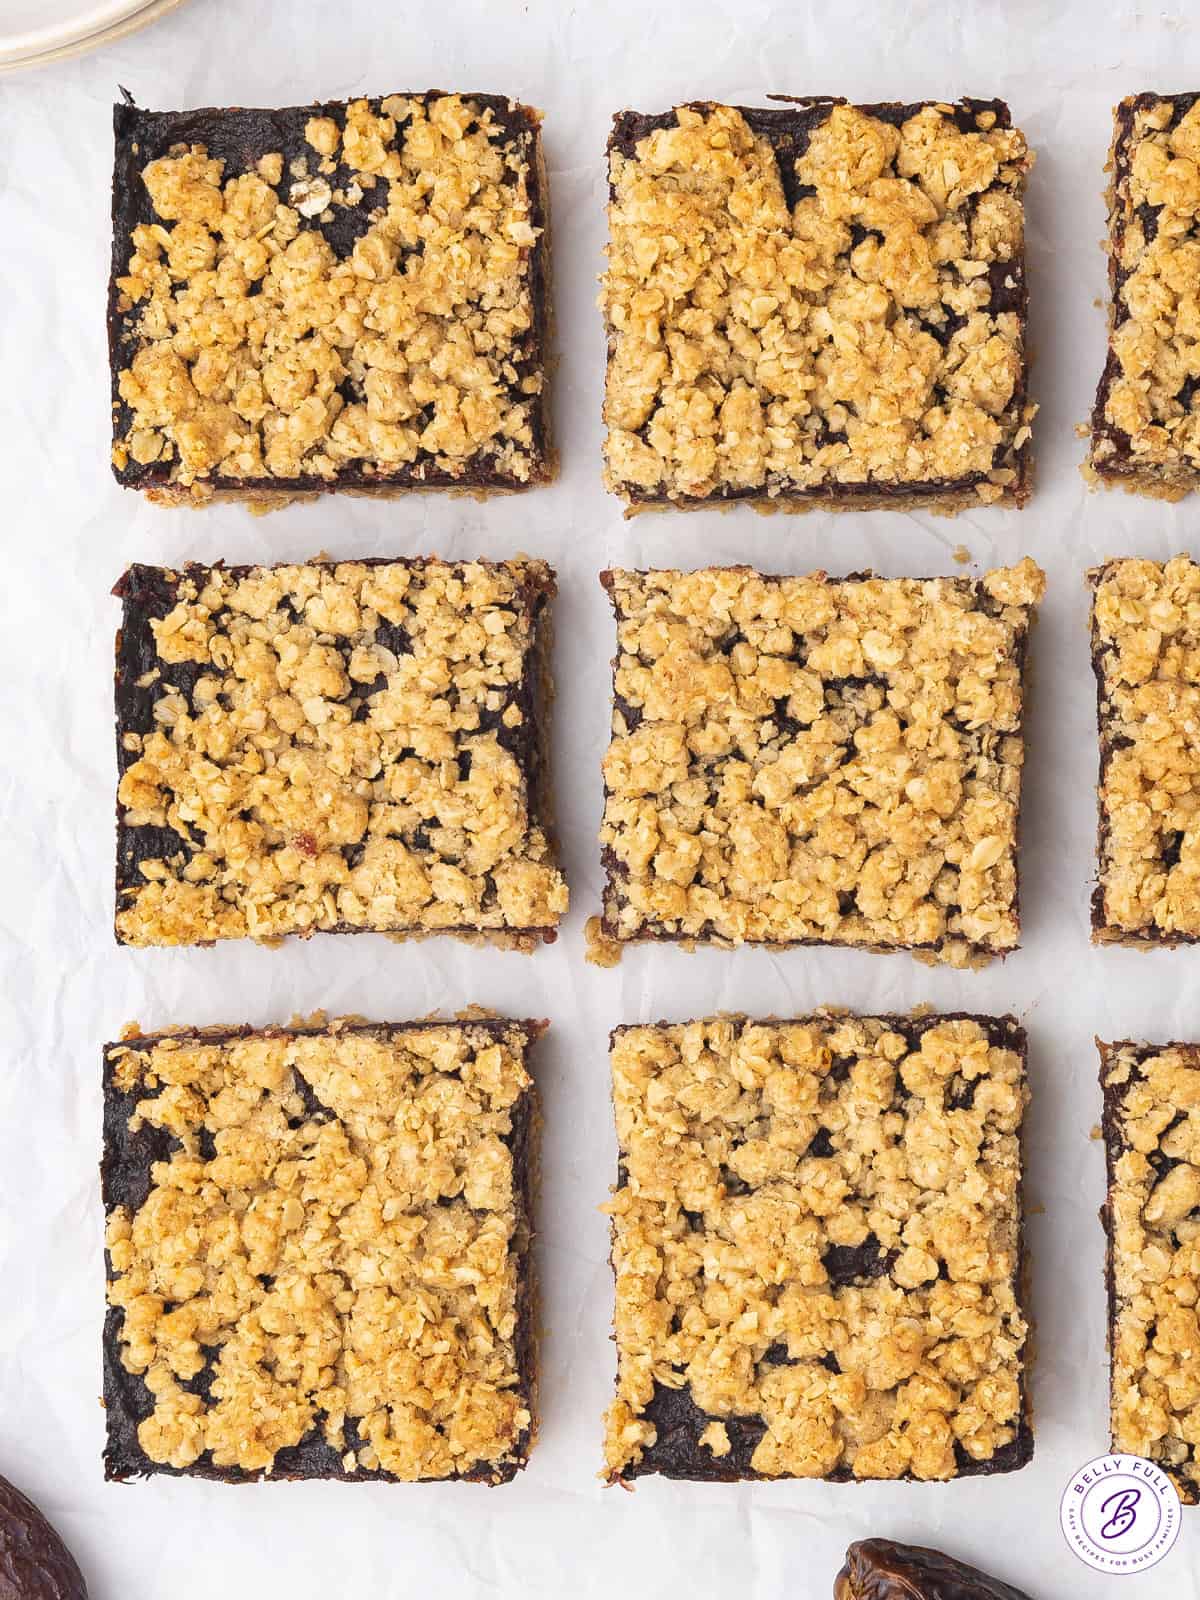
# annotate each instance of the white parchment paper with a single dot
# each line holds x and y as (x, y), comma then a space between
(68, 532)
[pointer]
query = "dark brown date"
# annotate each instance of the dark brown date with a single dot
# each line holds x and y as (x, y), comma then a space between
(881, 1569)
(34, 1562)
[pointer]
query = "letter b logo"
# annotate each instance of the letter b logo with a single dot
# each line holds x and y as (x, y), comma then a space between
(1120, 1513)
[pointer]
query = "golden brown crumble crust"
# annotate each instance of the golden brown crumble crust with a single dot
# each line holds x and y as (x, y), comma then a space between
(818, 1226)
(806, 760)
(341, 747)
(368, 312)
(1146, 423)
(1146, 652)
(1152, 1133)
(337, 1238)
(817, 303)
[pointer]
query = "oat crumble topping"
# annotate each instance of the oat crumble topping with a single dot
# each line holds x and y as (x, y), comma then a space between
(806, 760)
(1152, 1129)
(367, 314)
(817, 1242)
(1146, 423)
(825, 301)
(332, 1250)
(352, 746)
(1146, 651)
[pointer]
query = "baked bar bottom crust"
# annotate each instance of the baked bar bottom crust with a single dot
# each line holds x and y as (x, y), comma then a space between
(1149, 485)
(937, 503)
(262, 502)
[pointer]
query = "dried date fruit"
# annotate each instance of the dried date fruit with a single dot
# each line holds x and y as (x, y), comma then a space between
(881, 1569)
(34, 1562)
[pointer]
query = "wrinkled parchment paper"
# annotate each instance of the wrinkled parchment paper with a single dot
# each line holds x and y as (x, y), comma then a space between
(68, 533)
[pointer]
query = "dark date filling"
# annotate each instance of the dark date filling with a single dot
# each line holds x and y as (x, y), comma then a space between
(125, 1180)
(241, 137)
(881, 1569)
(678, 1453)
(151, 593)
(862, 696)
(789, 132)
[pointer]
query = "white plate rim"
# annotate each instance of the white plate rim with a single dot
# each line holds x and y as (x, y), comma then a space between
(97, 17)
(146, 11)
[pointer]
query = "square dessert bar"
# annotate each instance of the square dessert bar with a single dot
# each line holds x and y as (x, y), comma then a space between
(803, 760)
(341, 296)
(1145, 433)
(318, 1251)
(347, 747)
(1146, 656)
(818, 305)
(817, 1240)
(1152, 1220)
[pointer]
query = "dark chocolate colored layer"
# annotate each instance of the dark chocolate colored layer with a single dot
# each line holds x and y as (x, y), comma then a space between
(125, 1178)
(789, 127)
(152, 592)
(882, 1569)
(241, 136)
(678, 1453)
